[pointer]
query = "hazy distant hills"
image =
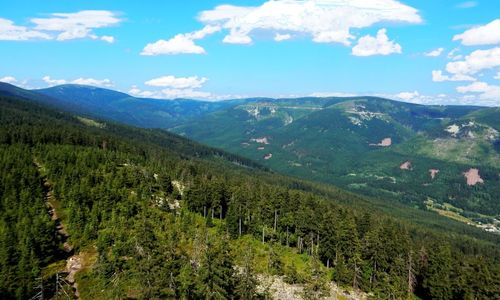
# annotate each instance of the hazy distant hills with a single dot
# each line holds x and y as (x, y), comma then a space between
(143, 112)
(433, 157)
(117, 106)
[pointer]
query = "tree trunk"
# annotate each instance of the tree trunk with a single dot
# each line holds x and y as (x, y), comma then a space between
(275, 220)
(239, 226)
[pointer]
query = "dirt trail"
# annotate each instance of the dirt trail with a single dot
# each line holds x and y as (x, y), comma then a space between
(73, 262)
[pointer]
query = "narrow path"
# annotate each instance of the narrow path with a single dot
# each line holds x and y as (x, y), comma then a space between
(73, 262)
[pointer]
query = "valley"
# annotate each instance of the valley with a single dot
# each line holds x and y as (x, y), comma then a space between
(373, 146)
(136, 203)
(250, 150)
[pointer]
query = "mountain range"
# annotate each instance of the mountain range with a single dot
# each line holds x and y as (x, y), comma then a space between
(441, 158)
(94, 209)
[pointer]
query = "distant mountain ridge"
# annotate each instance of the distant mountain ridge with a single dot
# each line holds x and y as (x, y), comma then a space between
(117, 106)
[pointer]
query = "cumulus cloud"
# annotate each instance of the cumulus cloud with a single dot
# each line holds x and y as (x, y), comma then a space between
(51, 82)
(434, 53)
(485, 91)
(92, 81)
(177, 82)
(11, 32)
(488, 34)
(181, 43)
(135, 91)
(326, 21)
(282, 37)
(83, 81)
(379, 45)
(173, 93)
(408, 95)
(438, 76)
(171, 87)
(174, 87)
(476, 61)
(441, 99)
(77, 25)
(8, 79)
(61, 27)
(108, 39)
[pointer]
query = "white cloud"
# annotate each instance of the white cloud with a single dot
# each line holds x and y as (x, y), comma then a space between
(11, 32)
(476, 61)
(440, 99)
(135, 91)
(8, 79)
(177, 82)
(434, 53)
(407, 95)
(438, 76)
(77, 25)
(92, 81)
(485, 91)
(108, 39)
(52, 82)
(82, 81)
(173, 93)
(467, 4)
(61, 27)
(332, 94)
(326, 21)
(282, 37)
(379, 45)
(175, 87)
(181, 43)
(488, 34)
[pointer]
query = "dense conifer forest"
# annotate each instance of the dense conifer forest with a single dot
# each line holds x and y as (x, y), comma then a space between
(154, 216)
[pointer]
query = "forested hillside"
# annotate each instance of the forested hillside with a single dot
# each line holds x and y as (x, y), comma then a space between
(445, 155)
(150, 215)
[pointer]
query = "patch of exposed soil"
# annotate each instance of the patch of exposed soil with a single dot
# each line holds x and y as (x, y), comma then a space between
(473, 177)
(384, 143)
(406, 166)
(433, 173)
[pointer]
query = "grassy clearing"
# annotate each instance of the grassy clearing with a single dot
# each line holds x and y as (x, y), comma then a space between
(91, 123)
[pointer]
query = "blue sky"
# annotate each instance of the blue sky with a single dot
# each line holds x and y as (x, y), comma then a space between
(440, 52)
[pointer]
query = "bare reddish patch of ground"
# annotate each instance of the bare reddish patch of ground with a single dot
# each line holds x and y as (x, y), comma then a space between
(405, 166)
(384, 143)
(433, 172)
(473, 177)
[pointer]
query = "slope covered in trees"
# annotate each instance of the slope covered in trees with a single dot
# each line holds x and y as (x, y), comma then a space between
(361, 144)
(163, 217)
